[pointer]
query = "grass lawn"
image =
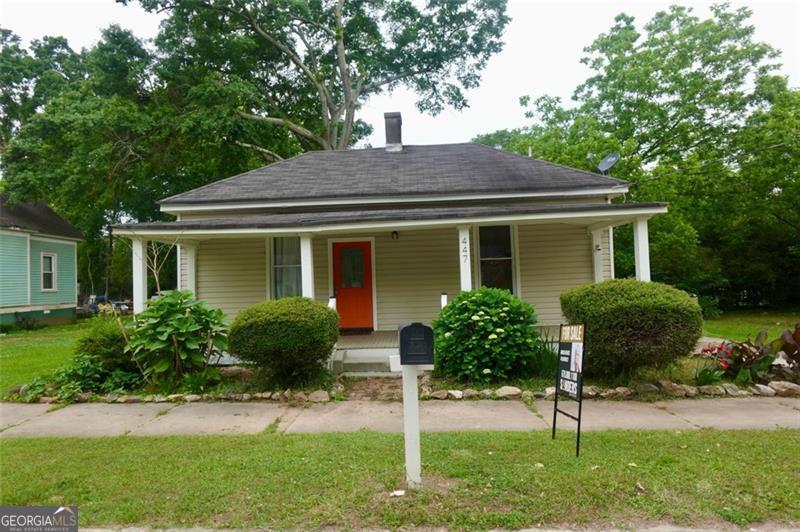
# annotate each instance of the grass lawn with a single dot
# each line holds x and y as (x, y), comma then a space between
(28, 354)
(472, 480)
(743, 324)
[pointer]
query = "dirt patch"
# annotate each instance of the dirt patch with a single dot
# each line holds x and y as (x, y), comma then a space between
(375, 389)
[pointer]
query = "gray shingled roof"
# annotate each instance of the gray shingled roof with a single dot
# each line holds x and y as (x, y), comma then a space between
(306, 219)
(416, 170)
(36, 218)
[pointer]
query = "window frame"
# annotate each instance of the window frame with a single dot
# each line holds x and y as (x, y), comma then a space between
(516, 288)
(273, 292)
(53, 271)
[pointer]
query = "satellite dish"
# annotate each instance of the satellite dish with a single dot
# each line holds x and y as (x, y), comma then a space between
(608, 161)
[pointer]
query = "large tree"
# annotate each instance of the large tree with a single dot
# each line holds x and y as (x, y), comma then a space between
(313, 63)
(702, 122)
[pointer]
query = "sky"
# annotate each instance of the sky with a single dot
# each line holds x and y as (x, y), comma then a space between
(543, 47)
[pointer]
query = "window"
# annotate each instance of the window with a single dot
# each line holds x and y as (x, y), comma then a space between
(352, 268)
(496, 262)
(48, 272)
(286, 274)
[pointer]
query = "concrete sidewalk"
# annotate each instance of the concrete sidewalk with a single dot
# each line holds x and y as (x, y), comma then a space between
(101, 419)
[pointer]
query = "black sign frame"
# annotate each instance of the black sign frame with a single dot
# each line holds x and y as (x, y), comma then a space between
(569, 374)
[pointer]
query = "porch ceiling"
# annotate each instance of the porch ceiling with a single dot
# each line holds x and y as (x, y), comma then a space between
(391, 218)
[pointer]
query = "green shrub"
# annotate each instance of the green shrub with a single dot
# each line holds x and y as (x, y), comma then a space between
(104, 342)
(485, 335)
(631, 324)
(290, 339)
(175, 335)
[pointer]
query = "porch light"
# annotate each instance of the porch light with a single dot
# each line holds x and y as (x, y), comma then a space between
(395, 235)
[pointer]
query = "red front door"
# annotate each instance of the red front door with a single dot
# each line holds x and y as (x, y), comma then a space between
(352, 284)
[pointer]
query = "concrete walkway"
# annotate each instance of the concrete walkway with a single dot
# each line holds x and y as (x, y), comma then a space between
(100, 419)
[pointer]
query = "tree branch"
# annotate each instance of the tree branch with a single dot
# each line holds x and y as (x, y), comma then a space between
(291, 126)
(269, 155)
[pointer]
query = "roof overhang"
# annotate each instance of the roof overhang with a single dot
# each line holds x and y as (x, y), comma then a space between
(177, 207)
(592, 218)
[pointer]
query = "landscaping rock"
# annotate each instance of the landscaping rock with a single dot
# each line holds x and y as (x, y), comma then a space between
(487, 393)
(426, 388)
(229, 396)
(160, 399)
(538, 394)
(337, 388)
(550, 393)
(319, 396)
(508, 392)
(46, 399)
(263, 395)
(129, 399)
(624, 392)
(207, 397)
(785, 388)
(691, 391)
(192, 398)
(236, 372)
(760, 389)
(671, 388)
(299, 396)
(84, 397)
(711, 389)
(439, 394)
(646, 387)
(110, 398)
(469, 393)
(731, 389)
(425, 379)
(149, 399)
(245, 397)
(590, 392)
(175, 397)
(609, 394)
(455, 394)
(425, 395)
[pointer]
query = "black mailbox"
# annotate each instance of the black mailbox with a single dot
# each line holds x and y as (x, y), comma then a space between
(416, 344)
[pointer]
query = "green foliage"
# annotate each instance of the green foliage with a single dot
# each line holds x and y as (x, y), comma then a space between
(632, 324)
(702, 123)
(486, 335)
(708, 375)
(202, 381)
(175, 335)
(289, 339)
(709, 306)
(104, 341)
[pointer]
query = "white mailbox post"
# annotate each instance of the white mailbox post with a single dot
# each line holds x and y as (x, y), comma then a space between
(415, 340)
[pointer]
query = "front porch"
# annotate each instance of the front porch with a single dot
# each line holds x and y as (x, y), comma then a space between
(382, 273)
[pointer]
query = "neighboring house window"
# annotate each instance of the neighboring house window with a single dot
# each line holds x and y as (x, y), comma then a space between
(49, 271)
(286, 274)
(496, 261)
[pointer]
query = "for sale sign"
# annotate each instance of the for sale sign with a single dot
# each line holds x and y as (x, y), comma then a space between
(570, 360)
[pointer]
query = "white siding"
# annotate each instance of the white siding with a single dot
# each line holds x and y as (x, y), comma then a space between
(553, 258)
(232, 273)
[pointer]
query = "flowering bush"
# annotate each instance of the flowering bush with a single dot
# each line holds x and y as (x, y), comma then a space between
(484, 335)
(759, 360)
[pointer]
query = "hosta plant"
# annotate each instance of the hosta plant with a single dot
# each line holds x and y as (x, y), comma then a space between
(176, 335)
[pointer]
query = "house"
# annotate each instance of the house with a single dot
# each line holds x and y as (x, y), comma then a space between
(383, 233)
(38, 264)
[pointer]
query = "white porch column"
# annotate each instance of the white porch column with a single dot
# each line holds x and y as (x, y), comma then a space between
(307, 265)
(641, 249)
(597, 254)
(464, 258)
(189, 256)
(139, 257)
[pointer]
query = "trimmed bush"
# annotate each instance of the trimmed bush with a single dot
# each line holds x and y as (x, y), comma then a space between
(290, 339)
(631, 324)
(104, 342)
(485, 335)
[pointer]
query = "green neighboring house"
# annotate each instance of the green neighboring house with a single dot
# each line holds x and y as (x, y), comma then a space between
(38, 264)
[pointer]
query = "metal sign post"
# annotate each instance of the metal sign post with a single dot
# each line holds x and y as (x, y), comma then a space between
(569, 378)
